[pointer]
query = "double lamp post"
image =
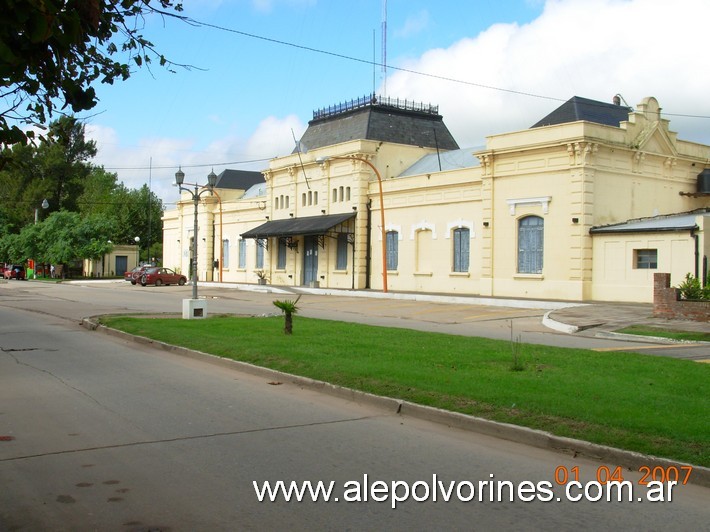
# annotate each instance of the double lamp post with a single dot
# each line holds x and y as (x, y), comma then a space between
(179, 182)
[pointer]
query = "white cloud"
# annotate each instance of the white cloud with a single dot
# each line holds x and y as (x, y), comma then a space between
(413, 25)
(589, 48)
(155, 161)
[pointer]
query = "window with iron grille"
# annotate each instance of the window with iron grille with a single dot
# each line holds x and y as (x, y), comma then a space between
(462, 240)
(341, 260)
(260, 243)
(392, 250)
(281, 255)
(225, 253)
(531, 233)
(242, 254)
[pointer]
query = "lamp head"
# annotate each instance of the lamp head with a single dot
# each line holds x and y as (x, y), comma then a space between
(211, 179)
(179, 177)
(45, 203)
(321, 160)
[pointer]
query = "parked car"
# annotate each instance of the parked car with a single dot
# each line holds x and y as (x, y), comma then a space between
(158, 276)
(14, 271)
(135, 274)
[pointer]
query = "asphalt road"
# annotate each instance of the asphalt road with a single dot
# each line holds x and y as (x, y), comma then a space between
(79, 300)
(97, 433)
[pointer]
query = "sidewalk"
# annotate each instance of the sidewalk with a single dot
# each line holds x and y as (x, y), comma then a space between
(588, 318)
(597, 318)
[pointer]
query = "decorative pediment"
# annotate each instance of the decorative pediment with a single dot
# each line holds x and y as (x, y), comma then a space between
(655, 140)
(647, 132)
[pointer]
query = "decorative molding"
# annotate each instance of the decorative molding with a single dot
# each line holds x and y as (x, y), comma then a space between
(543, 201)
(637, 162)
(581, 153)
(459, 224)
(391, 227)
(486, 160)
(423, 226)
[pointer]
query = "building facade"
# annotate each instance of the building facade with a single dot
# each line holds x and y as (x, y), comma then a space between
(574, 208)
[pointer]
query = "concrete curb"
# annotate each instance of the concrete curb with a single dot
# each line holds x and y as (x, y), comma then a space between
(535, 438)
(647, 339)
(555, 325)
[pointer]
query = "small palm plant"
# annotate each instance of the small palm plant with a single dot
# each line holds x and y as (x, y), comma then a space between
(289, 308)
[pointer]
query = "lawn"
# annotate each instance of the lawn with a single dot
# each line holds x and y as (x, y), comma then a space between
(653, 405)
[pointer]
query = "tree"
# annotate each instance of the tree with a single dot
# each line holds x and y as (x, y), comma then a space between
(53, 51)
(289, 308)
(56, 169)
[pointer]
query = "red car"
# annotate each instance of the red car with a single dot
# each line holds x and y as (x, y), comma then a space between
(14, 271)
(134, 275)
(158, 276)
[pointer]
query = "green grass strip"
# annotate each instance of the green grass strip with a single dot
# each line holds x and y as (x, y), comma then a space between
(649, 404)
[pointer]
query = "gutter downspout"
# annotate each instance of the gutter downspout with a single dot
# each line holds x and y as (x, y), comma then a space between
(697, 251)
(368, 245)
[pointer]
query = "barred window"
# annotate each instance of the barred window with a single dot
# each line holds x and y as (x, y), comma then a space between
(341, 261)
(242, 254)
(281, 255)
(462, 240)
(392, 250)
(531, 236)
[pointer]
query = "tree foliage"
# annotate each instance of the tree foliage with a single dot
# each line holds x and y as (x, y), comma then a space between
(88, 211)
(53, 51)
(56, 169)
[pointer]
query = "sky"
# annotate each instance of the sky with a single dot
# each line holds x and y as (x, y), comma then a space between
(259, 68)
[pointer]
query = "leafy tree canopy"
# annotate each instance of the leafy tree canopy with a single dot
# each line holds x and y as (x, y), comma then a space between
(87, 211)
(53, 51)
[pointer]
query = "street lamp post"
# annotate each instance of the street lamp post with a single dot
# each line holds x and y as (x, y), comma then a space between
(179, 181)
(383, 231)
(45, 206)
(137, 240)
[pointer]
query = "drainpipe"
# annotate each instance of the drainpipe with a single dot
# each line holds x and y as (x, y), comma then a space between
(368, 245)
(697, 252)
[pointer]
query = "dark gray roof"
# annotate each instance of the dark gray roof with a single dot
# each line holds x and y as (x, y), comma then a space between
(577, 108)
(239, 179)
(308, 225)
(383, 119)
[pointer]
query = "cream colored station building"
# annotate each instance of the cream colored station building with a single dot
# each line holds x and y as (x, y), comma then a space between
(586, 204)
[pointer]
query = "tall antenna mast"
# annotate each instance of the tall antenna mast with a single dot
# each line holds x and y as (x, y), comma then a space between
(374, 63)
(384, 47)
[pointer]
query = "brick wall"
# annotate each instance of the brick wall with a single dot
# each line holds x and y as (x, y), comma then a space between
(666, 302)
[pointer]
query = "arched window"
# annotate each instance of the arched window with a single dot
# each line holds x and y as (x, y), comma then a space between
(225, 253)
(392, 250)
(531, 236)
(260, 245)
(341, 259)
(462, 240)
(242, 254)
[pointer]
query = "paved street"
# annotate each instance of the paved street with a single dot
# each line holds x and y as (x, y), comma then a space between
(491, 318)
(98, 433)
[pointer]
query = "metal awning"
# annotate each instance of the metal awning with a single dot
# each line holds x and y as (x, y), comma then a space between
(307, 226)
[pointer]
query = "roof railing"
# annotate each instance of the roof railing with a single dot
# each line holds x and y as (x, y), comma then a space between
(373, 100)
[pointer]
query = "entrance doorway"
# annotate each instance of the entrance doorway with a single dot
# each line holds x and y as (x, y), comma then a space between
(121, 265)
(310, 260)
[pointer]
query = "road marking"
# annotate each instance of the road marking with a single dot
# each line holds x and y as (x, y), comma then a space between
(664, 346)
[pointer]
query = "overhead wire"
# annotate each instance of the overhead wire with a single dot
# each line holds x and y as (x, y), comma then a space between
(390, 67)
